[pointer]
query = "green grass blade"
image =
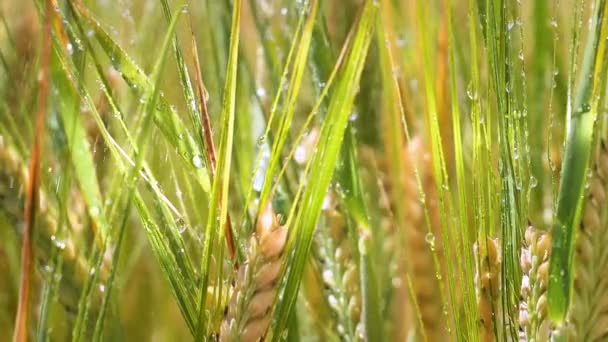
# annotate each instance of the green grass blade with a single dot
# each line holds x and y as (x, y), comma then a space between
(498, 51)
(463, 193)
(132, 179)
(581, 121)
(353, 195)
(299, 66)
(166, 243)
(165, 117)
(322, 166)
(81, 157)
(186, 84)
(218, 207)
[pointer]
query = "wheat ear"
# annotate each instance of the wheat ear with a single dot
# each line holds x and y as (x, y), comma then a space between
(589, 311)
(422, 247)
(534, 262)
(340, 272)
(487, 281)
(249, 311)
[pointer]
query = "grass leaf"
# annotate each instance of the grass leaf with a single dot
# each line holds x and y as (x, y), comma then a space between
(322, 165)
(581, 122)
(218, 207)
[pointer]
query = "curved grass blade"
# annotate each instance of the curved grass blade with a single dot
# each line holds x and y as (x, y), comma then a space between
(299, 65)
(582, 115)
(85, 174)
(186, 84)
(321, 170)
(165, 242)
(133, 177)
(273, 111)
(81, 156)
(218, 206)
(165, 117)
(353, 197)
(207, 137)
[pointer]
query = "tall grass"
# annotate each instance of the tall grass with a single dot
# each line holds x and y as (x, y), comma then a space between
(359, 170)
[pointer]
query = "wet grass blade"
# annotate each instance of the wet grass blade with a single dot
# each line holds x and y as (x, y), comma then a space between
(498, 53)
(165, 117)
(81, 156)
(132, 179)
(186, 84)
(582, 114)
(321, 170)
(218, 206)
(463, 189)
(166, 243)
(207, 137)
(352, 192)
(299, 66)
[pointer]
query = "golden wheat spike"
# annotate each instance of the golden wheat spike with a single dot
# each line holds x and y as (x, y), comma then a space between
(588, 315)
(249, 311)
(423, 245)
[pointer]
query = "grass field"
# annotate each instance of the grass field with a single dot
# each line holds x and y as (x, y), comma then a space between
(309, 170)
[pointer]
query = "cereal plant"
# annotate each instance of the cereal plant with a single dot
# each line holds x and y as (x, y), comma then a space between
(308, 170)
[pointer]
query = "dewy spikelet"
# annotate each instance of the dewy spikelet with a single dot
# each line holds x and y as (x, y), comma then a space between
(487, 283)
(340, 272)
(588, 314)
(421, 243)
(249, 311)
(534, 260)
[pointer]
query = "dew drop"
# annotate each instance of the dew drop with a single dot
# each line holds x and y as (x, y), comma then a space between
(586, 107)
(328, 277)
(60, 244)
(471, 92)
(261, 140)
(430, 239)
(94, 211)
(533, 182)
(197, 161)
(261, 92)
(300, 155)
(333, 301)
